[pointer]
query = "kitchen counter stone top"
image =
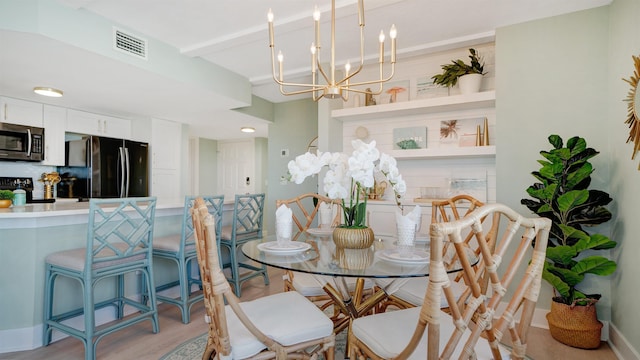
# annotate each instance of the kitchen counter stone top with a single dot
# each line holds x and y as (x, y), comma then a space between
(66, 212)
(71, 211)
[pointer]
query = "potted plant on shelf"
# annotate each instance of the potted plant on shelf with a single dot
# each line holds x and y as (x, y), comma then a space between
(6, 198)
(468, 76)
(562, 195)
(350, 178)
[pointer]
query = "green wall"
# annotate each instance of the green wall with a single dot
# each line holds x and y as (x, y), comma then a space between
(562, 75)
(208, 167)
(551, 78)
(296, 123)
(624, 41)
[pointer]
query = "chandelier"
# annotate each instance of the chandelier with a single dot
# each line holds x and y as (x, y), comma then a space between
(330, 87)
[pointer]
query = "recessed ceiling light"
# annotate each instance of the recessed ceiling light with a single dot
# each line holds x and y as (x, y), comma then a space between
(247, 129)
(47, 91)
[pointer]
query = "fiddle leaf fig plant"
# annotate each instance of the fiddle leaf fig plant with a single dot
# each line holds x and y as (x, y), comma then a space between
(562, 195)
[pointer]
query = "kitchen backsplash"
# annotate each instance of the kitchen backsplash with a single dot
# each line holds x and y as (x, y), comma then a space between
(25, 169)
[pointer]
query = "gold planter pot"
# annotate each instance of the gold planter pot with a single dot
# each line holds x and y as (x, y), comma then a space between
(350, 238)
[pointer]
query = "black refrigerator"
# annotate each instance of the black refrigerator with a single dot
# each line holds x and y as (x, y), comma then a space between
(105, 167)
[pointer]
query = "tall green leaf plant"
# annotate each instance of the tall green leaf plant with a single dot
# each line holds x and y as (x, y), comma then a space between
(562, 195)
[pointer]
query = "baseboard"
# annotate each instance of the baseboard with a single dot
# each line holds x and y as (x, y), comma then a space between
(621, 346)
(31, 338)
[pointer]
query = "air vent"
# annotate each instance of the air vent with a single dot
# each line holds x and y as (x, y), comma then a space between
(130, 44)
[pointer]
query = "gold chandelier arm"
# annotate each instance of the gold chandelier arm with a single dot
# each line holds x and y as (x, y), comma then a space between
(331, 88)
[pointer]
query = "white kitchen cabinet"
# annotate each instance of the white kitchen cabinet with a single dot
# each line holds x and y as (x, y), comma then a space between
(55, 122)
(381, 216)
(165, 144)
(20, 112)
(82, 122)
(166, 140)
(165, 184)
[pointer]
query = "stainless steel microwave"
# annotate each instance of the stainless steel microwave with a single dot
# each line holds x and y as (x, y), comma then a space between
(21, 143)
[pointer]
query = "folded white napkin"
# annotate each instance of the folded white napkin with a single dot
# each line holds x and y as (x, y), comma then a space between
(284, 223)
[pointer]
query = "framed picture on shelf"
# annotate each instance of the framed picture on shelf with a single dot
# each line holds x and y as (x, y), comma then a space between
(410, 138)
(424, 88)
(461, 132)
(394, 91)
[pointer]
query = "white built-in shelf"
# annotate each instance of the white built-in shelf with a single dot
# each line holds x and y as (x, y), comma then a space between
(445, 152)
(484, 99)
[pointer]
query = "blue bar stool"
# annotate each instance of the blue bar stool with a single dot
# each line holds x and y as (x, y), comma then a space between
(180, 248)
(246, 225)
(119, 242)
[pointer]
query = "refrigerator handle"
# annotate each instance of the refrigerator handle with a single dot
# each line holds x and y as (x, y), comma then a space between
(122, 173)
(128, 167)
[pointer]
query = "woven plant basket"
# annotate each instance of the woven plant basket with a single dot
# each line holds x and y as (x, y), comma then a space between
(576, 326)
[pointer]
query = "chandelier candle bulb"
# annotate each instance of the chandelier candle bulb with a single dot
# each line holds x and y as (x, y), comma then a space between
(381, 38)
(392, 34)
(270, 21)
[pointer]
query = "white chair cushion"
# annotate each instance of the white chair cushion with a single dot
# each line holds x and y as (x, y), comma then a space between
(279, 317)
(388, 333)
(167, 243)
(227, 230)
(74, 259)
(414, 289)
(307, 285)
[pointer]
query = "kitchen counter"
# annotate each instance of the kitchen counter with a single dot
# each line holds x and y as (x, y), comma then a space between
(66, 212)
(29, 233)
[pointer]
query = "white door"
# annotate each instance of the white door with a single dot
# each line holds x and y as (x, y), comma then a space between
(236, 167)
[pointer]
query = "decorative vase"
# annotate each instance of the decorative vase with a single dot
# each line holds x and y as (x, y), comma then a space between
(5, 203)
(576, 326)
(470, 83)
(350, 238)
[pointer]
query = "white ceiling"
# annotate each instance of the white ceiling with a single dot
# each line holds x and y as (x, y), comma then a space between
(233, 34)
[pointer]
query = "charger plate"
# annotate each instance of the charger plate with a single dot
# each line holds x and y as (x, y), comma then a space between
(392, 255)
(273, 247)
(320, 231)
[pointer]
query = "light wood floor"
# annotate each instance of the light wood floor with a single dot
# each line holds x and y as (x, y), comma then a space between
(138, 342)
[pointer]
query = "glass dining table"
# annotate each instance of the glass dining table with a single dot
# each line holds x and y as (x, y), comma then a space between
(315, 253)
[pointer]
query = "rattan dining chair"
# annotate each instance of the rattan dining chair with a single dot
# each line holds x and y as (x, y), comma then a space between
(180, 249)
(305, 209)
(411, 293)
(119, 245)
(246, 224)
(279, 326)
(475, 331)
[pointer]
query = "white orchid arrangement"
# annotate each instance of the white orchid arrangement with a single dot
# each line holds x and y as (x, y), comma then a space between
(350, 177)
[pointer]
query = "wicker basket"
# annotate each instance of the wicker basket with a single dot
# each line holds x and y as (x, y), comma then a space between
(576, 326)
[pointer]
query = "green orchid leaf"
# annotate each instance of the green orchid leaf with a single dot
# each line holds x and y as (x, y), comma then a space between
(360, 214)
